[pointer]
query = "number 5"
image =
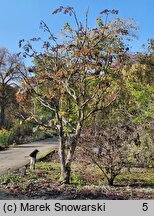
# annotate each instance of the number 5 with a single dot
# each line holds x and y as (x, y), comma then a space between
(145, 207)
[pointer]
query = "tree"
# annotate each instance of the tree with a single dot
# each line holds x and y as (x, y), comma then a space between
(140, 84)
(78, 77)
(10, 65)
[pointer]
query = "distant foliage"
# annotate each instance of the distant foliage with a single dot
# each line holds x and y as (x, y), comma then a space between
(142, 155)
(5, 138)
(20, 131)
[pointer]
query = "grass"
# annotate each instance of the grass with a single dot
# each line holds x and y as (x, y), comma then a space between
(136, 178)
(10, 178)
(90, 175)
(85, 179)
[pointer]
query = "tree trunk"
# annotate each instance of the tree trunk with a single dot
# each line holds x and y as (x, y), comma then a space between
(62, 146)
(110, 181)
(62, 157)
(2, 116)
(70, 155)
(71, 152)
(66, 160)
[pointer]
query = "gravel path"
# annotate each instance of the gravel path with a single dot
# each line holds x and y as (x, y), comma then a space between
(16, 157)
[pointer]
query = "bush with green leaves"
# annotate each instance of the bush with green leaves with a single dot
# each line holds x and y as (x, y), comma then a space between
(5, 138)
(21, 131)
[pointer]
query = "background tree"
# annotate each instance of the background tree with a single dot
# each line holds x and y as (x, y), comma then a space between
(10, 65)
(140, 84)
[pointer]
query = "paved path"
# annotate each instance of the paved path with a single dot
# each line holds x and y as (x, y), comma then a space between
(16, 157)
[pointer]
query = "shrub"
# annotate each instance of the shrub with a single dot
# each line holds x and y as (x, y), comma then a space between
(38, 135)
(108, 150)
(5, 138)
(43, 134)
(143, 155)
(20, 131)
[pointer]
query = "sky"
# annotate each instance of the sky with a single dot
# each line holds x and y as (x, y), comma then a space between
(20, 19)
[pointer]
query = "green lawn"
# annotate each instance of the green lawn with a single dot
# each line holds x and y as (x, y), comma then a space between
(85, 180)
